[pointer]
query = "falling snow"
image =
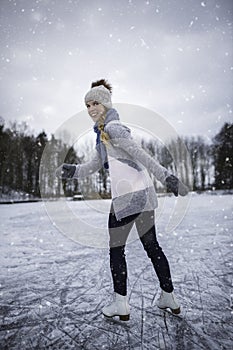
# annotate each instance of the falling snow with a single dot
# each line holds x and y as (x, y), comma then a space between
(53, 289)
(170, 49)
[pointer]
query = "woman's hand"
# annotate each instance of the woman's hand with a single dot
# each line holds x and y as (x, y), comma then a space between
(65, 171)
(176, 186)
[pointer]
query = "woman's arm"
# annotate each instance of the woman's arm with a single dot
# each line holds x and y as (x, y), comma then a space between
(88, 168)
(121, 137)
(80, 171)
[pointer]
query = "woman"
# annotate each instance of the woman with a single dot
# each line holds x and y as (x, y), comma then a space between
(133, 197)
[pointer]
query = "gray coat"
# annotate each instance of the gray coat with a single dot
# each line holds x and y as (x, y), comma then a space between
(131, 186)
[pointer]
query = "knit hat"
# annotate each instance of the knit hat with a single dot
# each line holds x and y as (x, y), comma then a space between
(100, 94)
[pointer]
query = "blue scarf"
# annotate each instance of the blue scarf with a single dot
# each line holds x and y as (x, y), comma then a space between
(100, 146)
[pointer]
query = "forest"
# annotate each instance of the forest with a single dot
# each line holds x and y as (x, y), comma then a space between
(26, 173)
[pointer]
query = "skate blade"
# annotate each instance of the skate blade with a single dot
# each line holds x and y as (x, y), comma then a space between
(173, 311)
(176, 311)
(121, 317)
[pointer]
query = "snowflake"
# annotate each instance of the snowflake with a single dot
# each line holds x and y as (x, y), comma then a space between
(190, 24)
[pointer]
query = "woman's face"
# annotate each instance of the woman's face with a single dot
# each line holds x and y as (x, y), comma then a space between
(95, 110)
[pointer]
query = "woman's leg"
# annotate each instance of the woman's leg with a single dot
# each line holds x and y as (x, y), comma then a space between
(146, 230)
(119, 232)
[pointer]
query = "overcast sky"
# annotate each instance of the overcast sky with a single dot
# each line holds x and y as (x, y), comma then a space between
(173, 57)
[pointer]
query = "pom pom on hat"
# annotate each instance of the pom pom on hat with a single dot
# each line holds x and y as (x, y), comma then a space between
(100, 94)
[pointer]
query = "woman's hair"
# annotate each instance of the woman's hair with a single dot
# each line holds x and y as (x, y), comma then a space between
(103, 135)
(103, 82)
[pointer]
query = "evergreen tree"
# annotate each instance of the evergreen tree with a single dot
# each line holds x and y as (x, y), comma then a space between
(5, 148)
(223, 157)
(70, 186)
(40, 143)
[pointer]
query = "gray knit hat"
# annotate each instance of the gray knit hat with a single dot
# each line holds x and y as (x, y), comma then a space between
(100, 94)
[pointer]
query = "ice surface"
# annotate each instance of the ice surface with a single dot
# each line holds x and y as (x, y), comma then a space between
(52, 289)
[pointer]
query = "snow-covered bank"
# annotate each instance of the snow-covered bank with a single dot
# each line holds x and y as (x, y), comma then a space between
(53, 289)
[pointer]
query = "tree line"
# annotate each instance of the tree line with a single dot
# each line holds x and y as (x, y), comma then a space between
(209, 165)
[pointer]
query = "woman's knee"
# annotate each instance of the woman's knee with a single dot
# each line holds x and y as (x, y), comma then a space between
(150, 244)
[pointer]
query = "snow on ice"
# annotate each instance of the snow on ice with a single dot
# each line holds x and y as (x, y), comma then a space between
(53, 289)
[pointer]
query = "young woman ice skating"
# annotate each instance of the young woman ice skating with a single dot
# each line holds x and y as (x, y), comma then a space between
(133, 197)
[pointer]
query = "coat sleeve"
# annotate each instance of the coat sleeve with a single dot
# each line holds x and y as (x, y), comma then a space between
(121, 137)
(88, 168)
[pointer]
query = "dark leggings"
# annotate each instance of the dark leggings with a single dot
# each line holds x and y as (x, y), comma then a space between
(119, 232)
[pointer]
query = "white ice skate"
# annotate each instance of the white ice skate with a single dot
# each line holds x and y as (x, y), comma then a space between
(119, 307)
(168, 301)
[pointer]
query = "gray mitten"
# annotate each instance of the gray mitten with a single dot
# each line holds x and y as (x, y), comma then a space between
(176, 186)
(172, 184)
(66, 171)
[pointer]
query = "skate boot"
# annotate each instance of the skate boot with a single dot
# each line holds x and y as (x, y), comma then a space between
(119, 307)
(168, 301)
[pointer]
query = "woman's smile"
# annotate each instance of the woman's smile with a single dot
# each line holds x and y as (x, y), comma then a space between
(95, 110)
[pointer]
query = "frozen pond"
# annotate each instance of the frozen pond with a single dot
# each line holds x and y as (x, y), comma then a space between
(52, 288)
